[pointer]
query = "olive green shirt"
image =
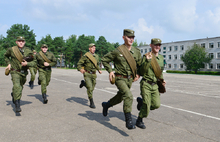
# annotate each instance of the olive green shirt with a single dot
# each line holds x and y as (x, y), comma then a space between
(40, 60)
(10, 58)
(87, 63)
(147, 70)
(120, 63)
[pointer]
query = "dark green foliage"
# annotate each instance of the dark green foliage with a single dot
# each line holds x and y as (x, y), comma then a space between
(195, 58)
(193, 72)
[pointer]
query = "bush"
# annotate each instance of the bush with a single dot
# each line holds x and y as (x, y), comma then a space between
(192, 72)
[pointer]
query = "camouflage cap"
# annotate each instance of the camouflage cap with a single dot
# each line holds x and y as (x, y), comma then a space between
(128, 32)
(34, 50)
(44, 45)
(91, 45)
(156, 41)
(20, 38)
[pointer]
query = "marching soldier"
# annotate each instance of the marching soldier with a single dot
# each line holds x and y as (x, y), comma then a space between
(88, 65)
(33, 71)
(126, 60)
(18, 58)
(152, 83)
(45, 61)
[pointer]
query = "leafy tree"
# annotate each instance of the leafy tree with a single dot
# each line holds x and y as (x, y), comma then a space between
(141, 43)
(195, 58)
(2, 60)
(115, 45)
(69, 50)
(135, 44)
(20, 30)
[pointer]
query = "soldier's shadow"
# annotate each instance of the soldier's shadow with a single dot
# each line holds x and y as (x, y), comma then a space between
(105, 120)
(38, 96)
(21, 104)
(78, 100)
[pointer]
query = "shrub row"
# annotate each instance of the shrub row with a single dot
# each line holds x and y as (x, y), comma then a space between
(193, 72)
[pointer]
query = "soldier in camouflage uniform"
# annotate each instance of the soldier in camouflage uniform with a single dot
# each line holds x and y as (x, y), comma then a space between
(44, 69)
(18, 69)
(87, 67)
(149, 89)
(33, 71)
(124, 76)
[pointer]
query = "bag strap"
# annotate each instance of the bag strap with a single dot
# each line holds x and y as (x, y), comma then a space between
(44, 57)
(17, 53)
(130, 59)
(155, 65)
(91, 58)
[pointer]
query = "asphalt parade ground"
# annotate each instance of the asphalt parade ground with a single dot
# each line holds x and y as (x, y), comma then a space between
(189, 112)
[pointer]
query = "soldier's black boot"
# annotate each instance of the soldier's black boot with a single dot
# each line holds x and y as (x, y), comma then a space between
(44, 98)
(31, 84)
(83, 83)
(140, 103)
(105, 106)
(129, 123)
(38, 81)
(12, 98)
(140, 123)
(92, 105)
(17, 106)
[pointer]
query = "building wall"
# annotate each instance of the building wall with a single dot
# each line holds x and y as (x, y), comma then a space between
(173, 51)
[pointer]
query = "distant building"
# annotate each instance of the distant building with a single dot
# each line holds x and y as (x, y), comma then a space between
(173, 51)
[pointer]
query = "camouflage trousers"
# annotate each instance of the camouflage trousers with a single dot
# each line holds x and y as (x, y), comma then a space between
(44, 77)
(33, 72)
(124, 94)
(90, 80)
(18, 81)
(150, 96)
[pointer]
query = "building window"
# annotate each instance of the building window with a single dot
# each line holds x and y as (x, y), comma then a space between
(164, 52)
(164, 48)
(182, 47)
(218, 55)
(211, 66)
(175, 48)
(218, 66)
(211, 55)
(181, 56)
(203, 45)
(164, 56)
(211, 45)
(175, 66)
(169, 66)
(170, 48)
(141, 50)
(181, 66)
(218, 44)
(145, 50)
(175, 57)
(169, 57)
(160, 50)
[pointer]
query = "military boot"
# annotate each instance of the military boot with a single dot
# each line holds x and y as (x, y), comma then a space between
(83, 83)
(129, 123)
(140, 103)
(31, 84)
(105, 106)
(140, 123)
(12, 98)
(44, 98)
(17, 106)
(92, 105)
(39, 83)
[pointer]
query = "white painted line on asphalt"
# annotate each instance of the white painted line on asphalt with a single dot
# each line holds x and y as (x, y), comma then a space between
(191, 112)
(196, 113)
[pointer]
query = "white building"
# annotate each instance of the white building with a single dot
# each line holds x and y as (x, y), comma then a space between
(173, 51)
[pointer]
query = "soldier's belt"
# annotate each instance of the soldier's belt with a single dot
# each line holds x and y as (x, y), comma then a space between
(21, 71)
(124, 76)
(150, 82)
(91, 72)
(46, 69)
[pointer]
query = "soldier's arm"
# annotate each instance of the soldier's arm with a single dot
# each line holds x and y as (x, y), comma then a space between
(98, 63)
(7, 55)
(139, 60)
(107, 59)
(53, 61)
(80, 63)
(34, 61)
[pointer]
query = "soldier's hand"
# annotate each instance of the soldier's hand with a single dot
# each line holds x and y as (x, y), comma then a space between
(24, 63)
(136, 78)
(149, 55)
(46, 64)
(111, 75)
(164, 83)
(8, 67)
(82, 71)
(100, 71)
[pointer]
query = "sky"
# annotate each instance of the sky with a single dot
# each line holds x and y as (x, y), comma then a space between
(169, 20)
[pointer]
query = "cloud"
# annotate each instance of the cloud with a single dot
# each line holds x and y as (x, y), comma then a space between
(3, 29)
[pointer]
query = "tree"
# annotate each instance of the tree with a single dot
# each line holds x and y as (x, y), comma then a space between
(141, 44)
(135, 44)
(19, 30)
(69, 50)
(195, 58)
